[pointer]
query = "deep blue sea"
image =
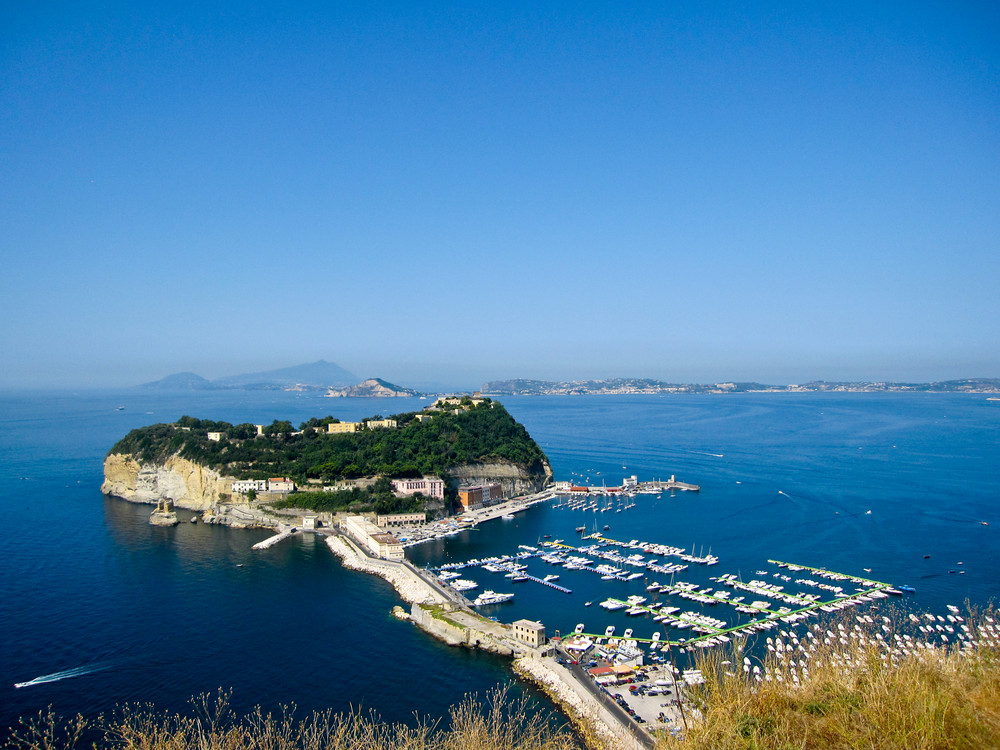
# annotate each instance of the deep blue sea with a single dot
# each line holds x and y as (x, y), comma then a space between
(114, 610)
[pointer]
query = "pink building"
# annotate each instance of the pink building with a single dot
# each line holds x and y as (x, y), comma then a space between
(429, 486)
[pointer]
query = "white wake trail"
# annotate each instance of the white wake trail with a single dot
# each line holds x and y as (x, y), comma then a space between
(64, 674)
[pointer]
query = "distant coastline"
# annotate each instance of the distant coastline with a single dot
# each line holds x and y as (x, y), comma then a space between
(645, 386)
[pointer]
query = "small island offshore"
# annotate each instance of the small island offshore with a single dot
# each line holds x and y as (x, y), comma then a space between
(409, 462)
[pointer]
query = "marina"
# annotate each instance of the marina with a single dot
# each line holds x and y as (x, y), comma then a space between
(656, 635)
(643, 656)
(819, 590)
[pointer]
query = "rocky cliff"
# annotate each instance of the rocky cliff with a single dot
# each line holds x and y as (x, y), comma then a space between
(514, 479)
(194, 487)
(187, 484)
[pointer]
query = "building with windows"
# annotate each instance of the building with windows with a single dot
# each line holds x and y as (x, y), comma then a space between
(381, 424)
(378, 542)
(400, 519)
(215, 436)
(338, 427)
(280, 484)
(429, 486)
(479, 495)
(530, 632)
(243, 486)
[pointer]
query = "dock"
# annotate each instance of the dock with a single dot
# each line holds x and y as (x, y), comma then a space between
(768, 618)
(535, 579)
(272, 540)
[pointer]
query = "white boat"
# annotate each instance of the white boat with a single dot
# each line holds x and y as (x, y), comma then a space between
(613, 604)
(491, 597)
(463, 584)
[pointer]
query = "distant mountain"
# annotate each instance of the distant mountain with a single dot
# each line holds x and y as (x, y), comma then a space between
(316, 375)
(372, 388)
(181, 381)
(320, 374)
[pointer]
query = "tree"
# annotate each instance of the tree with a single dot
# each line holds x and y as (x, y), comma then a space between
(279, 429)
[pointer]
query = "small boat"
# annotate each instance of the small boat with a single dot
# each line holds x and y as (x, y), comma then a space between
(908, 589)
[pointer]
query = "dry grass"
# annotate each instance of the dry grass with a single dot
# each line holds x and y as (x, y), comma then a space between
(844, 686)
(500, 724)
(852, 691)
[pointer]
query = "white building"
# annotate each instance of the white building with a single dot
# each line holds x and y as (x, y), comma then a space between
(380, 543)
(243, 486)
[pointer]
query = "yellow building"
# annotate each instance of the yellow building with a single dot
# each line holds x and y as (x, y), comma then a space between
(384, 424)
(336, 427)
(530, 632)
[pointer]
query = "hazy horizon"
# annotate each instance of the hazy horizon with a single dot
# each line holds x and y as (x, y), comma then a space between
(448, 195)
(428, 379)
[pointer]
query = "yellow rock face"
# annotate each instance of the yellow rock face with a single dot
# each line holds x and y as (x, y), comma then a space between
(186, 483)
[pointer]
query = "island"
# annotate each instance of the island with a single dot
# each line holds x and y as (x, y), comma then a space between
(372, 388)
(458, 452)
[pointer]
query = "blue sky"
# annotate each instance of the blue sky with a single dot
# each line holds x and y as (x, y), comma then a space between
(447, 194)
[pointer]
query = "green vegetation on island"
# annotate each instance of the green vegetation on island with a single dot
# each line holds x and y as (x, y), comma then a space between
(427, 443)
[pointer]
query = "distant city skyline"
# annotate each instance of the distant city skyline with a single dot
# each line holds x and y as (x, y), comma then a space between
(441, 196)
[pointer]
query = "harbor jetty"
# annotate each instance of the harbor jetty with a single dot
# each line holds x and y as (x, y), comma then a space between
(273, 540)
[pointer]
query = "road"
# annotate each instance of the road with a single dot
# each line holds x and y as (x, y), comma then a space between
(619, 713)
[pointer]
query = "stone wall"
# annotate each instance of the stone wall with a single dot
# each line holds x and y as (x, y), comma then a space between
(452, 626)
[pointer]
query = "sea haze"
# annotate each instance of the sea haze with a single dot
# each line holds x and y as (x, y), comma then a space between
(98, 607)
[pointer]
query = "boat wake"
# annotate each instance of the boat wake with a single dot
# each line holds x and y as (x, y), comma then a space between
(64, 674)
